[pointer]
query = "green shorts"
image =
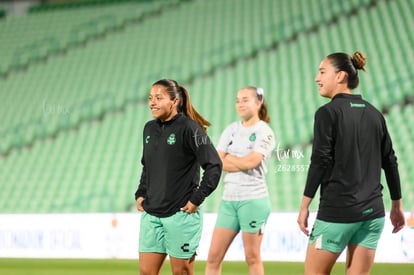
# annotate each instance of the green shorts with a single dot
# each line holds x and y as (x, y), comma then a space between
(335, 237)
(178, 235)
(248, 216)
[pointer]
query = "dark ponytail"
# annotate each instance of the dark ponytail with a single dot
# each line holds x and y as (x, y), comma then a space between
(184, 104)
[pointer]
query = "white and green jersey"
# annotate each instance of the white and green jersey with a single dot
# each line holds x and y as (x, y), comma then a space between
(239, 141)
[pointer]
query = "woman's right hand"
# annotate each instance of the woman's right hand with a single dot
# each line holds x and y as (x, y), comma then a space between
(139, 204)
(303, 220)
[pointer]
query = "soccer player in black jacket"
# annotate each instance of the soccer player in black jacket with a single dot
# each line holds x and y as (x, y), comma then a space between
(351, 145)
(170, 191)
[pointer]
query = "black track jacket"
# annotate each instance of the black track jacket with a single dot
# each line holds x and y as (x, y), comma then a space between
(172, 155)
(351, 144)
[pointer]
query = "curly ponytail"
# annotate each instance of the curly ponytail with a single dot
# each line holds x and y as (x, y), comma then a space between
(359, 61)
(350, 65)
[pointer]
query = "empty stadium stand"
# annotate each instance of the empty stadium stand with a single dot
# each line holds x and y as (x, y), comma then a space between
(74, 83)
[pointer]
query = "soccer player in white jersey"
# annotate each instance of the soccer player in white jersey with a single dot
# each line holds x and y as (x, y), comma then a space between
(244, 148)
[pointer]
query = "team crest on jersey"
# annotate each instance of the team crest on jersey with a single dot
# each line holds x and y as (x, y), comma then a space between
(147, 139)
(252, 137)
(171, 139)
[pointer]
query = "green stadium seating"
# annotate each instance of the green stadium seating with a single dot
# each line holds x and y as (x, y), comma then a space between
(72, 118)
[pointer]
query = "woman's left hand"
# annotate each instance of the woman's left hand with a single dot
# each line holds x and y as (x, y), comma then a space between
(189, 208)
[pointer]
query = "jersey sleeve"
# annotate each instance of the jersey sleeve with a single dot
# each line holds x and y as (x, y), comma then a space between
(265, 142)
(142, 187)
(226, 138)
(390, 166)
(209, 161)
(322, 151)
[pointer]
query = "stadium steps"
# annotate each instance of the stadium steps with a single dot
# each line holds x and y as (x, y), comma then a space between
(96, 163)
(216, 56)
(50, 34)
(399, 121)
(93, 169)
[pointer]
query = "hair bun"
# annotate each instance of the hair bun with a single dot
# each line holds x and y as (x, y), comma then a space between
(359, 61)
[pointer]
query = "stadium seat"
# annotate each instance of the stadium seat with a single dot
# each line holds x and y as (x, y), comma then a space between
(72, 115)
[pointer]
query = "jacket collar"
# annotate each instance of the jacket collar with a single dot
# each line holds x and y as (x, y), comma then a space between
(168, 122)
(350, 96)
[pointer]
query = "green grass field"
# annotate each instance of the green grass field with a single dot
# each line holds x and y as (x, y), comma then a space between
(126, 267)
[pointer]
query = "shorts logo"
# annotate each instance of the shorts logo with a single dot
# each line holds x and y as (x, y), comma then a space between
(332, 242)
(147, 139)
(171, 139)
(252, 224)
(184, 247)
(252, 137)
